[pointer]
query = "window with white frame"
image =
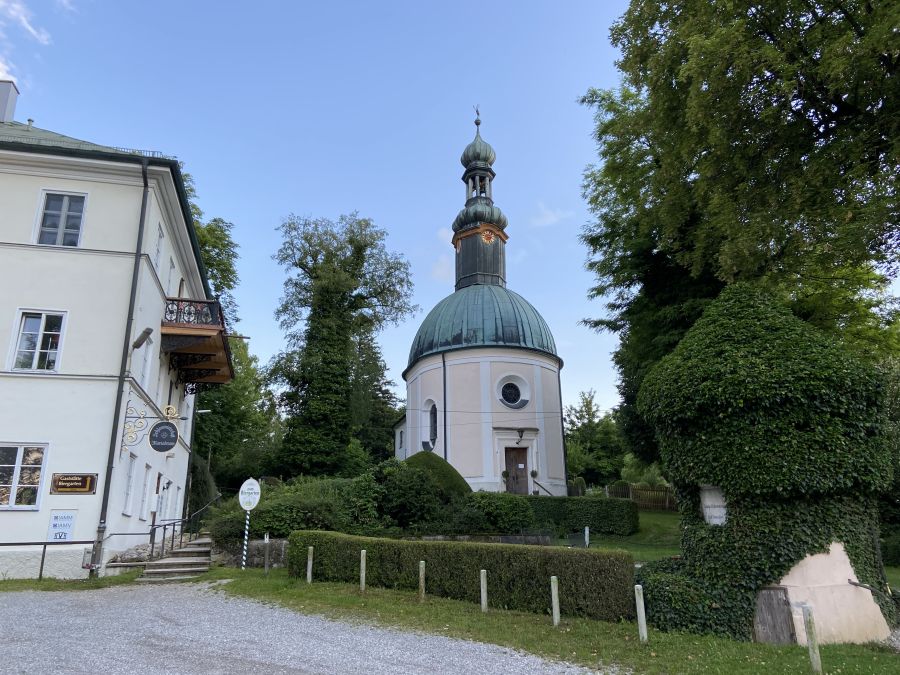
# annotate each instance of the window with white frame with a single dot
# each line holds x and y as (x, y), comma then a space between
(129, 482)
(21, 469)
(145, 490)
(61, 219)
(39, 341)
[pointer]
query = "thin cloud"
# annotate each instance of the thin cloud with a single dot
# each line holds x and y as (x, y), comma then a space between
(445, 234)
(6, 69)
(442, 269)
(546, 217)
(67, 5)
(16, 12)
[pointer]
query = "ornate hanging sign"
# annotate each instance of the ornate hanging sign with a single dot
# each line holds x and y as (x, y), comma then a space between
(162, 436)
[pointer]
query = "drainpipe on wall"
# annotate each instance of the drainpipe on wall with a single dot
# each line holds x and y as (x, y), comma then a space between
(562, 430)
(97, 556)
(444, 365)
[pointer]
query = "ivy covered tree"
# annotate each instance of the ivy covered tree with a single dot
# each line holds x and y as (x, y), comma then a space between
(793, 428)
(748, 141)
(343, 286)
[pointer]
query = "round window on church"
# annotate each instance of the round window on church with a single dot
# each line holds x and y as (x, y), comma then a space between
(511, 393)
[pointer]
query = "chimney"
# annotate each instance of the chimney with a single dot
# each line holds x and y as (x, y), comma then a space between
(8, 95)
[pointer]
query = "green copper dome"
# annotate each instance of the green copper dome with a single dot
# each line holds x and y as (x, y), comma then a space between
(482, 315)
(478, 151)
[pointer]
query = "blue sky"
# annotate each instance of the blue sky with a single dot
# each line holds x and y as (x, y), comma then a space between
(326, 108)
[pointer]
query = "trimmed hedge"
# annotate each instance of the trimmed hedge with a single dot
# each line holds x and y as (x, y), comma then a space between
(448, 479)
(571, 514)
(595, 584)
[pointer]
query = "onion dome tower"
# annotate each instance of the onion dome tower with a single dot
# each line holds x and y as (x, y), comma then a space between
(484, 360)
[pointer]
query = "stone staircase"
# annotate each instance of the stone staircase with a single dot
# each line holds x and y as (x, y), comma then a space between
(180, 564)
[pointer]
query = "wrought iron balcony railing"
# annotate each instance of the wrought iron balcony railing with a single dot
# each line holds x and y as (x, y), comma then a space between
(199, 313)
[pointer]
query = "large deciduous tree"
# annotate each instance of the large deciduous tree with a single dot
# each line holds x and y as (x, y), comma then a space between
(593, 441)
(343, 285)
(748, 141)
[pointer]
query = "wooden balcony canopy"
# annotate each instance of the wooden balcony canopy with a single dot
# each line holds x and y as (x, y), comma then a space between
(193, 336)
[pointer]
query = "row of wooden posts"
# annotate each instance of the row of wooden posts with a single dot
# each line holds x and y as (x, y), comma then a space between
(554, 590)
(811, 639)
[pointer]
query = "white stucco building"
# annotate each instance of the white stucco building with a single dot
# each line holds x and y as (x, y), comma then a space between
(106, 319)
(482, 381)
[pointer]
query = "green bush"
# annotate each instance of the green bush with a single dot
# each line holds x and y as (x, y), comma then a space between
(504, 513)
(596, 584)
(565, 515)
(341, 504)
(410, 496)
(448, 479)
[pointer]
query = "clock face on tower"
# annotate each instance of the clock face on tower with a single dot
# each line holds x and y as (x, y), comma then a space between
(487, 237)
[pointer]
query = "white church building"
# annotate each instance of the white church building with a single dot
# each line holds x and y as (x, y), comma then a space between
(107, 328)
(483, 377)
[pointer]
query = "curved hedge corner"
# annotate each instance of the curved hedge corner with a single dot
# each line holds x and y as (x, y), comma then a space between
(595, 584)
(790, 426)
(448, 479)
(571, 514)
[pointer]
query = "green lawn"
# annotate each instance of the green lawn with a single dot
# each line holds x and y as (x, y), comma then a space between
(50, 584)
(659, 536)
(583, 641)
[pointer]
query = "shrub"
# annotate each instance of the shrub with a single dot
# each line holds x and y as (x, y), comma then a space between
(571, 514)
(410, 496)
(504, 513)
(596, 584)
(448, 479)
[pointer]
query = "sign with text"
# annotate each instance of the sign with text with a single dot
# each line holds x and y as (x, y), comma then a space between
(62, 524)
(73, 484)
(163, 436)
(249, 494)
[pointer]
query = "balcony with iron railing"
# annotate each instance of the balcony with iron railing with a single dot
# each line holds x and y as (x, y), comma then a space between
(195, 340)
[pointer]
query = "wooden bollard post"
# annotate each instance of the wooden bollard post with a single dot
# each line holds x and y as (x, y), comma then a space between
(267, 554)
(421, 581)
(484, 590)
(812, 642)
(554, 599)
(587, 536)
(362, 571)
(641, 615)
(309, 559)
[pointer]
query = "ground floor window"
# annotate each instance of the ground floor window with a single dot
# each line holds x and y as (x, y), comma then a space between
(21, 468)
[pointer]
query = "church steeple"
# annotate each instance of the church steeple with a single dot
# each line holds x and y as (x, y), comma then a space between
(478, 231)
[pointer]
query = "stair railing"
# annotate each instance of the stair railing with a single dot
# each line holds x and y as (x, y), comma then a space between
(192, 520)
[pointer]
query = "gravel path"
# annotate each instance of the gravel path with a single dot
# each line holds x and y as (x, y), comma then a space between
(190, 628)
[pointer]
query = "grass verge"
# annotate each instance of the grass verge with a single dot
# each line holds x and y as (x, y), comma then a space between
(51, 584)
(659, 536)
(582, 641)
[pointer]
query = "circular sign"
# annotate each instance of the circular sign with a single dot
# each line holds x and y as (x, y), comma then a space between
(163, 436)
(249, 494)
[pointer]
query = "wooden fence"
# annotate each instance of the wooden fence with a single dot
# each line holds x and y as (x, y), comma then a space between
(647, 498)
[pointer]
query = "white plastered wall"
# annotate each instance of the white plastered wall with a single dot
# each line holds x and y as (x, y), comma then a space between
(479, 425)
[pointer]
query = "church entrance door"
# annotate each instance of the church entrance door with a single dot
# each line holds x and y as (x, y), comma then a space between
(517, 470)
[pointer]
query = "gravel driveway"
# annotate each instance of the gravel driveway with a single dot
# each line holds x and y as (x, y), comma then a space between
(190, 628)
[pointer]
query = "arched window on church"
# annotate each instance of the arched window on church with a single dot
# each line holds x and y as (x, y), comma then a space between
(432, 424)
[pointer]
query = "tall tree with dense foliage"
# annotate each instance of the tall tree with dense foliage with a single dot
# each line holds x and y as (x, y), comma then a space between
(594, 444)
(748, 141)
(343, 285)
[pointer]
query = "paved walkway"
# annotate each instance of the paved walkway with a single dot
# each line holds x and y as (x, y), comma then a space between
(189, 628)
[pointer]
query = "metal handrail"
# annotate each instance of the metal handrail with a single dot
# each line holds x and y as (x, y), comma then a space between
(174, 522)
(44, 544)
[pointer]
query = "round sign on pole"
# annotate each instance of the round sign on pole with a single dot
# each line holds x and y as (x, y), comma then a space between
(249, 494)
(163, 436)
